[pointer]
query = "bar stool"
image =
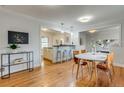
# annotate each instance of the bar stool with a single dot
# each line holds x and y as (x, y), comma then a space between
(69, 54)
(59, 56)
(64, 55)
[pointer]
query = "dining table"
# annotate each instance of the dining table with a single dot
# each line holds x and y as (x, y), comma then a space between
(93, 57)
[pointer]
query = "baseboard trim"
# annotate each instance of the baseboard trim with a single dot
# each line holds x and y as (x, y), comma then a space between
(38, 67)
(119, 65)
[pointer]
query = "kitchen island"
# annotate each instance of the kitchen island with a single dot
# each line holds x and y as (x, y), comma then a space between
(58, 53)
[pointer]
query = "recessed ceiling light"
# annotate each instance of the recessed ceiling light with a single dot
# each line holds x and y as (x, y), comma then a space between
(44, 29)
(92, 31)
(85, 19)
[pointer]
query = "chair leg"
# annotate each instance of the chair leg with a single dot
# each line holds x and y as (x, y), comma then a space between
(96, 72)
(88, 68)
(112, 67)
(91, 71)
(66, 58)
(82, 71)
(78, 66)
(109, 75)
(61, 59)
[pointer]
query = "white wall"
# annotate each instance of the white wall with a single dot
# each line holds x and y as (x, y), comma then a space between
(49, 36)
(53, 36)
(102, 34)
(15, 22)
(82, 40)
(63, 37)
(106, 33)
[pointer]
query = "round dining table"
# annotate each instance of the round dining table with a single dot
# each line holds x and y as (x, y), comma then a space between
(93, 57)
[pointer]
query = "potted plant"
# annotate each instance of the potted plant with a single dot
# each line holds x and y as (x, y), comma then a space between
(13, 47)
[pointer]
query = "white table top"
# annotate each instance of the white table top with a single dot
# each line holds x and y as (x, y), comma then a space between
(92, 56)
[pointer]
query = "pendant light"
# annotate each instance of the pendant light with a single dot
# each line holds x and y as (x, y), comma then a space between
(62, 27)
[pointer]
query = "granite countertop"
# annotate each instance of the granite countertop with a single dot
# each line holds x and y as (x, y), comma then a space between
(62, 45)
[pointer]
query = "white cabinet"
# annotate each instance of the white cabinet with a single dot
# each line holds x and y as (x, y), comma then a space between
(48, 53)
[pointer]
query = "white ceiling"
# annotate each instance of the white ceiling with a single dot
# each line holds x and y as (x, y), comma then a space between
(68, 14)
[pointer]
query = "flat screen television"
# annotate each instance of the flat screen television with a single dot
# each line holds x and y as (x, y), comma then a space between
(18, 37)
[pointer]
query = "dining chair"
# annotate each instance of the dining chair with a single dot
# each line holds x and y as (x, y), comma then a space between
(83, 51)
(107, 66)
(85, 63)
(79, 62)
(75, 60)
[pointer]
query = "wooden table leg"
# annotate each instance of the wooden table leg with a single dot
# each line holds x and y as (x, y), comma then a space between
(91, 71)
(93, 68)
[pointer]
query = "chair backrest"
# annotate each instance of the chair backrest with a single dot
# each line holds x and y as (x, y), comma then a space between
(110, 59)
(83, 51)
(75, 52)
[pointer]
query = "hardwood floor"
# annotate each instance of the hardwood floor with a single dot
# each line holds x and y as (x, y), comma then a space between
(60, 75)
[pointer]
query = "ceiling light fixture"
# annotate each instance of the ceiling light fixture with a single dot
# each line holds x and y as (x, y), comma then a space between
(62, 27)
(85, 19)
(92, 31)
(44, 29)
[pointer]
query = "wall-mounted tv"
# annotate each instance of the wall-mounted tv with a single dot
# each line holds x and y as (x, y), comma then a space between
(18, 37)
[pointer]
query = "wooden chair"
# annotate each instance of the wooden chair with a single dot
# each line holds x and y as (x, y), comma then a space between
(107, 66)
(75, 60)
(83, 51)
(78, 61)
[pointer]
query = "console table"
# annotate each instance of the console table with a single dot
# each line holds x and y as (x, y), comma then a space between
(29, 61)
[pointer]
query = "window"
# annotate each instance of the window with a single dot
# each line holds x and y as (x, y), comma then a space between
(44, 42)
